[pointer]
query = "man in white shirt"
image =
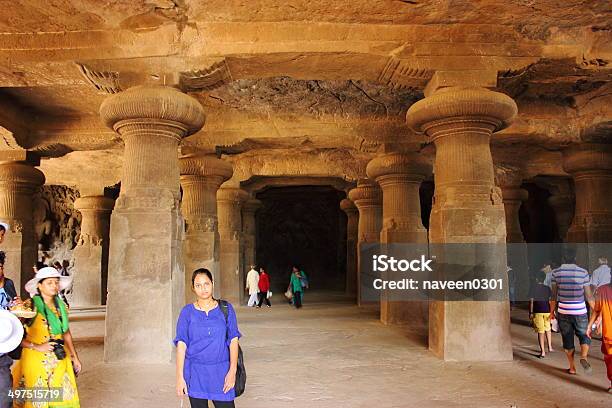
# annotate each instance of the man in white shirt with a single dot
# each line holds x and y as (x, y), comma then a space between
(601, 275)
(252, 285)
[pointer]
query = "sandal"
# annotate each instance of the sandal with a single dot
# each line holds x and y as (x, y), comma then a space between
(570, 372)
(587, 367)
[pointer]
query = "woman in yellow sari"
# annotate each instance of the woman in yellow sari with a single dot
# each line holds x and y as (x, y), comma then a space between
(49, 359)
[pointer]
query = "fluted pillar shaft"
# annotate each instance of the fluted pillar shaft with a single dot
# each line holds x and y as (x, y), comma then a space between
(352, 232)
(146, 287)
(90, 271)
(18, 184)
(467, 209)
(400, 176)
(367, 197)
(229, 206)
(201, 177)
(249, 230)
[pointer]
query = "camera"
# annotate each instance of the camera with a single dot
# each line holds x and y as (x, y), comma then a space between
(58, 349)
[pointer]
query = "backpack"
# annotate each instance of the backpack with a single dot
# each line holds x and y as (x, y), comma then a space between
(240, 371)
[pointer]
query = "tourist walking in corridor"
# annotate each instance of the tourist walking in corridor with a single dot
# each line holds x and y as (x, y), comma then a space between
(206, 347)
(571, 286)
(252, 285)
(603, 311)
(601, 275)
(48, 359)
(539, 313)
(295, 285)
(264, 288)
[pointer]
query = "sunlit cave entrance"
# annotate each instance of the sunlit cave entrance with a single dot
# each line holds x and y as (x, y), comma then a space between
(302, 226)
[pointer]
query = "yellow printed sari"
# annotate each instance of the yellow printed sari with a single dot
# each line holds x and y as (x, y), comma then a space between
(44, 370)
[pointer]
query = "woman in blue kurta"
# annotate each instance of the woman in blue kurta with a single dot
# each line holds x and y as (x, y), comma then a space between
(207, 348)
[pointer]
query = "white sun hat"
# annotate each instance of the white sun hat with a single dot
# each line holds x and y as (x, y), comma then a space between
(11, 332)
(44, 273)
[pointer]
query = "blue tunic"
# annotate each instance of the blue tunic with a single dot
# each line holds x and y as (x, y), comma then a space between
(207, 356)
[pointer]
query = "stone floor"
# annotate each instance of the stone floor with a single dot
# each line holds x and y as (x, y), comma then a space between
(333, 354)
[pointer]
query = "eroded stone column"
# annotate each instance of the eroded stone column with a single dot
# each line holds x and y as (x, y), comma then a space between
(229, 206)
(591, 168)
(513, 197)
(562, 202)
(146, 272)
(467, 208)
(400, 176)
(352, 230)
(201, 177)
(249, 231)
(18, 184)
(91, 253)
(367, 197)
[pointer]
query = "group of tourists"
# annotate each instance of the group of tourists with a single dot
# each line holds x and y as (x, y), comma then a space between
(576, 304)
(36, 334)
(258, 287)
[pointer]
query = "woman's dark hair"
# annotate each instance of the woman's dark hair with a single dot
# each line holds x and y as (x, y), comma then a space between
(201, 271)
(2, 257)
(2, 228)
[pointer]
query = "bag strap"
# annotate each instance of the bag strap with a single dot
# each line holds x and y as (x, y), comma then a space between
(223, 305)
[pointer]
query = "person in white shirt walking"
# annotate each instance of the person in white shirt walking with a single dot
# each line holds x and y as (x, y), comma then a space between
(252, 285)
(601, 275)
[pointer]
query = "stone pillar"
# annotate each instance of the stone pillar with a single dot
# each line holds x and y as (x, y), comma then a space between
(249, 231)
(201, 177)
(591, 168)
(352, 228)
(513, 197)
(229, 205)
(146, 272)
(467, 208)
(562, 202)
(18, 184)
(90, 256)
(368, 200)
(400, 176)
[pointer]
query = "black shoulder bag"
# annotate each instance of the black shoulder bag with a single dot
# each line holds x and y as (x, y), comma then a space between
(240, 371)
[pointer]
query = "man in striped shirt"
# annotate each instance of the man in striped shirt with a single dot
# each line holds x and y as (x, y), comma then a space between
(570, 287)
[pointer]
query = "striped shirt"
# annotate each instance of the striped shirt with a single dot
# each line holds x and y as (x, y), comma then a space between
(571, 280)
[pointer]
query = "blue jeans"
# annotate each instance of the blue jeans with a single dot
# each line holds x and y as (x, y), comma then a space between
(6, 381)
(570, 325)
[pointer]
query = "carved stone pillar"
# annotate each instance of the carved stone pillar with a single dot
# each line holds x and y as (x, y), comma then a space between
(591, 168)
(18, 184)
(400, 176)
(229, 206)
(201, 177)
(467, 208)
(562, 202)
(90, 256)
(367, 197)
(513, 197)
(249, 231)
(352, 229)
(146, 272)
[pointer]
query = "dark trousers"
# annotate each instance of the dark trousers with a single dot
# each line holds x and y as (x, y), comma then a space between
(263, 297)
(297, 300)
(6, 381)
(203, 403)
